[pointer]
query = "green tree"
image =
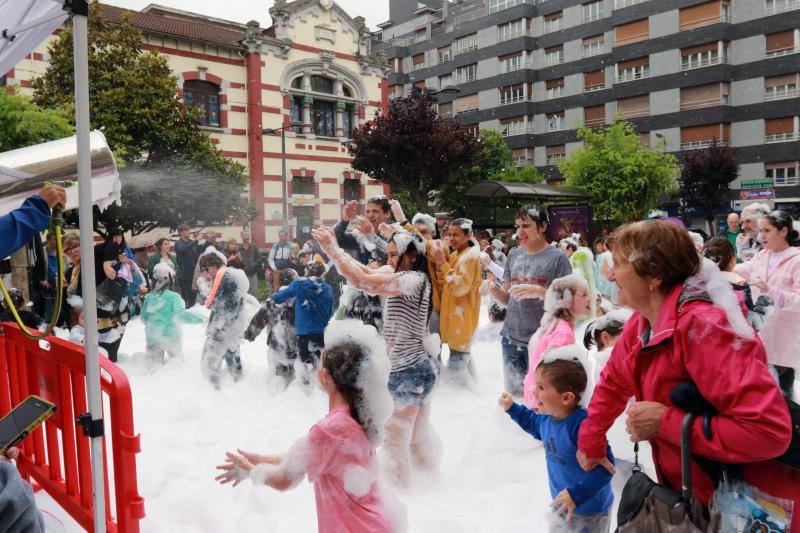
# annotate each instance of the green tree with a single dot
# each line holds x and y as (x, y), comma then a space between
(23, 123)
(412, 149)
(625, 179)
(492, 158)
(134, 98)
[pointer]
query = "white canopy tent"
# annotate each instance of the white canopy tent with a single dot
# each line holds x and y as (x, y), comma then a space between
(24, 25)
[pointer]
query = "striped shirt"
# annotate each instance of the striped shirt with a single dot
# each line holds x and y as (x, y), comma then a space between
(405, 321)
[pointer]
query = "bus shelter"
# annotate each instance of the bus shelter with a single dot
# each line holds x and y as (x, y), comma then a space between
(494, 204)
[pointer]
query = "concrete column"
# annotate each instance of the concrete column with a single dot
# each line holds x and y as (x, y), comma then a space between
(307, 124)
(340, 108)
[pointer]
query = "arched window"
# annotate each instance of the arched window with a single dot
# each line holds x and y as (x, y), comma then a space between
(323, 108)
(204, 97)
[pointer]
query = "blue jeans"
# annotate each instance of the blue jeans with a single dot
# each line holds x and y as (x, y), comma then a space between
(515, 366)
(411, 386)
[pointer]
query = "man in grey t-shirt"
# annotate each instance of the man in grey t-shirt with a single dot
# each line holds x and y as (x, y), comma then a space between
(529, 271)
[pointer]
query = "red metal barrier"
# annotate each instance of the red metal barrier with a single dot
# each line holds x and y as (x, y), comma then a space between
(56, 456)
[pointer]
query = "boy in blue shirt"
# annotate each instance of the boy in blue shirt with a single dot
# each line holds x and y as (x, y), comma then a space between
(313, 309)
(582, 500)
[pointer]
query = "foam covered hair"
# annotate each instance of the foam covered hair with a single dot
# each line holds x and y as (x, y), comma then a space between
(754, 211)
(403, 239)
(561, 292)
(424, 220)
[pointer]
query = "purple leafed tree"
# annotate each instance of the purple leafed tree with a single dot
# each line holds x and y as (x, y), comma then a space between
(706, 177)
(413, 149)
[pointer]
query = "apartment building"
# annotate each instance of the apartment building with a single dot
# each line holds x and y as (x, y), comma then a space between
(685, 71)
(313, 65)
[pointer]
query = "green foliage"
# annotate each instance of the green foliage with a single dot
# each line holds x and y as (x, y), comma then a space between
(134, 98)
(626, 179)
(23, 123)
(408, 205)
(529, 174)
(412, 149)
(493, 161)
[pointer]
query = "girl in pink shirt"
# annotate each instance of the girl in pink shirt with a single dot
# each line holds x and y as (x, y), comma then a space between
(566, 300)
(338, 454)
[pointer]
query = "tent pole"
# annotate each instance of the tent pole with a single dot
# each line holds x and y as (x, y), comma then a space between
(80, 32)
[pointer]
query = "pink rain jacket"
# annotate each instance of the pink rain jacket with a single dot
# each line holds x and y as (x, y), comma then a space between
(692, 340)
(780, 335)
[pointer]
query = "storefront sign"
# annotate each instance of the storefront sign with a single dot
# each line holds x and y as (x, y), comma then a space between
(758, 194)
(761, 183)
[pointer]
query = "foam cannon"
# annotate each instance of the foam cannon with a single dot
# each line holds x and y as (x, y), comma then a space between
(26, 170)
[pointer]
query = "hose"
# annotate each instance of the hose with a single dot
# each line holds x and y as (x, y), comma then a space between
(56, 223)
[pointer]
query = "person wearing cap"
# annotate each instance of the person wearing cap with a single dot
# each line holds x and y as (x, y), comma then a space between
(529, 271)
(461, 275)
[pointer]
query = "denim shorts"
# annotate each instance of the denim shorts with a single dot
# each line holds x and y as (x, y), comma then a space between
(411, 386)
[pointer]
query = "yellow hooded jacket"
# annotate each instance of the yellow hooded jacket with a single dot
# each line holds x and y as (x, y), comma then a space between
(461, 301)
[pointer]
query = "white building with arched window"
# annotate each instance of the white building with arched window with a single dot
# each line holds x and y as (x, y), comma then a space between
(313, 65)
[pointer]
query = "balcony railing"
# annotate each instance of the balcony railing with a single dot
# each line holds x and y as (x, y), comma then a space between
(507, 36)
(513, 67)
(709, 102)
(696, 145)
(554, 59)
(630, 75)
(554, 159)
(781, 95)
(523, 161)
(781, 7)
(553, 93)
(633, 113)
(509, 131)
(619, 4)
(420, 66)
(687, 63)
(555, 126)
(444, 58)
(591, 50)
(782, 137)
(592, 17)
(552, 25)
(784, 51)
(596, 87)
(480, 11)
(467, 109)
(466, 78)
(508, 5)
(511, 99)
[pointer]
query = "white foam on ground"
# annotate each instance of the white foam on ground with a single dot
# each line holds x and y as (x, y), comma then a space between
(492, 478)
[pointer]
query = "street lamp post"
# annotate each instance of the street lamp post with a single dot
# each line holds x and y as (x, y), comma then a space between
(284, 181)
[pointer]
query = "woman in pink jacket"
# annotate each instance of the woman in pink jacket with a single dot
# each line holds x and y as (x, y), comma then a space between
(775, 271)
(678, 334)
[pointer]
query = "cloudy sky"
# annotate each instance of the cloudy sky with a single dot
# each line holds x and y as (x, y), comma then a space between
(375, 11)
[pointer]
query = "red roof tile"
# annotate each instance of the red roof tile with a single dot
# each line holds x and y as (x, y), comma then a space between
(173, 26)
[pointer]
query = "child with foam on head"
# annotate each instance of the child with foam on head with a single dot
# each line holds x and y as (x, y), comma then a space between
(566, 300)
(338, 454)
(163, 311)
(581, 500)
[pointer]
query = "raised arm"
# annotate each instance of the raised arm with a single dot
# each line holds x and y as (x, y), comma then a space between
(362, 278)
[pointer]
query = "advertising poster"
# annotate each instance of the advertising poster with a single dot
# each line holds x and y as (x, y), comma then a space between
(568, 219)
